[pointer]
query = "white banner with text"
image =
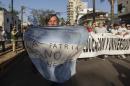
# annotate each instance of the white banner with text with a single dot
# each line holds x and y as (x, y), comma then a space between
(107, 44)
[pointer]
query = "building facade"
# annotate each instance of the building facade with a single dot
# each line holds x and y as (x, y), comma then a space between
(99, 17)
(124, 9)
(6, 20)
(83, 11)
(73, 9)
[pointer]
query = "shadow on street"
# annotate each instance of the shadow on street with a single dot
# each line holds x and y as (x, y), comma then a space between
(124, 72)
(91, 72)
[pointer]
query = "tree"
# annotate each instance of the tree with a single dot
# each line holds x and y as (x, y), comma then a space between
(62, 21)
(112, 8)
(93, 10)
(15, 12)
(0, 4)
(112, 2)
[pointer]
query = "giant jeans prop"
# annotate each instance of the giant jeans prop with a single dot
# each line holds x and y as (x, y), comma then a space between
(54, 50)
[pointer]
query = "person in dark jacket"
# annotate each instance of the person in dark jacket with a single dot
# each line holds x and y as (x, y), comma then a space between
(2, 38)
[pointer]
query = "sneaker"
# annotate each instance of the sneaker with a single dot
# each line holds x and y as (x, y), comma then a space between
(105, 56)
(123, 56)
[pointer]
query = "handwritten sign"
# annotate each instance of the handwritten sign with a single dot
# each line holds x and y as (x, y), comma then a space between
(54, 50)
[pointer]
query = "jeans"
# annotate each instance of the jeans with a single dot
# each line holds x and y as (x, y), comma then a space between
(2, 44)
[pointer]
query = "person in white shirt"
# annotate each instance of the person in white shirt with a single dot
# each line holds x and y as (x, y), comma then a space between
(128, 27)
(123, 26)
(115, 29)
(120, 31)
(123, 29)
(127, 31)
(100, 28)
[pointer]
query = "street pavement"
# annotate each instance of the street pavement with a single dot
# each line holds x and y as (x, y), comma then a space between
(8, 55)
(90, 72)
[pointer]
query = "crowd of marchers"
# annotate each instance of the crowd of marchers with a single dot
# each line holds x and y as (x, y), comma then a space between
(121, 29)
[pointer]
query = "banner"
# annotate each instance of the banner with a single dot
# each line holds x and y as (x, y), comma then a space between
(54, 50)
(107, 44)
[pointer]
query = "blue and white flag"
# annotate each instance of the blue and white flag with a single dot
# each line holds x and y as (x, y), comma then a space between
(54, 50)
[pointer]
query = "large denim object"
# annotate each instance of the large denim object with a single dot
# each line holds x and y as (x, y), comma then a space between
(54, 50)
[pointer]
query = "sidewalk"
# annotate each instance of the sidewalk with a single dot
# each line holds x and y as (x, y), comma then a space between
(8, 47)
(8, 55)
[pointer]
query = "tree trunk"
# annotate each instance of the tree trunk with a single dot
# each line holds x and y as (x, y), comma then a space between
(93, 10)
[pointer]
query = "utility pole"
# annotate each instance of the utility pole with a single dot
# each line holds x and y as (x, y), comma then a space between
(93, 10)
(12, 13)
(22, 11)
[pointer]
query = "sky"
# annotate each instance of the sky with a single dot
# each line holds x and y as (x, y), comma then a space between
(57, 5)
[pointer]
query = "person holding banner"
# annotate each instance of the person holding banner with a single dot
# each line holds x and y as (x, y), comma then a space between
(128, 27)
(54, 50)
(52, 20)
(101, 28)
(115, 29)
(91, 29)
(127, 31)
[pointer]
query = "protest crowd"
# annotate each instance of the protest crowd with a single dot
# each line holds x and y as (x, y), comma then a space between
(118, 30)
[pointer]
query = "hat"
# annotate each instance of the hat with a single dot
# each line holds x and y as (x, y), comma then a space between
(115, 24)
(123, 22)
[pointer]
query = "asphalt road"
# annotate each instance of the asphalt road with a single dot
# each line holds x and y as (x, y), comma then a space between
(90, 72)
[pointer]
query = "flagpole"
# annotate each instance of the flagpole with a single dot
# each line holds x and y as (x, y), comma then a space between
(12, 12)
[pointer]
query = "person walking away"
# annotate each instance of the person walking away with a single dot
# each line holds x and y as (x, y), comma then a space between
(60, 72)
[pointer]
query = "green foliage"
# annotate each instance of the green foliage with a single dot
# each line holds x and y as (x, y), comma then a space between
(15, 12)
(62, 21)
(1, 6)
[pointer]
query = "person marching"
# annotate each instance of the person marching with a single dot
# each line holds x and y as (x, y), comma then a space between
(14, 38)
(2, 38)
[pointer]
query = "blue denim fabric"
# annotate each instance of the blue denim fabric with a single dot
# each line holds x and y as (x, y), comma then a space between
(54, 50)
(63, 72)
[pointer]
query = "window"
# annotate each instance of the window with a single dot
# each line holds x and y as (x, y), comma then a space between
(7, 20)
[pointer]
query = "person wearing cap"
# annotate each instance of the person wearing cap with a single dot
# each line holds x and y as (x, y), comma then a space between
(14, 38)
